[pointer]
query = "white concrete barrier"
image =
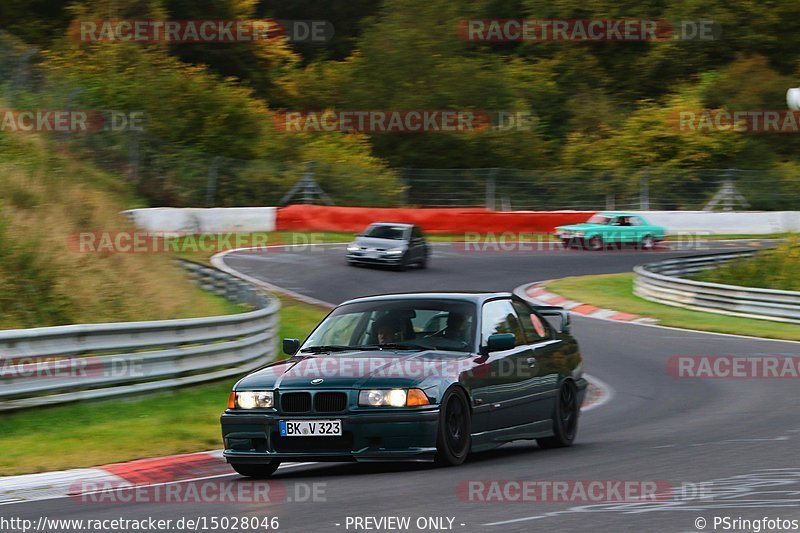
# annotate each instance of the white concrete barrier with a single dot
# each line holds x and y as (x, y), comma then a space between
(723, 223)
(199, 220)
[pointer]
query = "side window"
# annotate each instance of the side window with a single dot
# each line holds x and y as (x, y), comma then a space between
(532, 324)
(416, 233)
(499, 317)
(636, 221)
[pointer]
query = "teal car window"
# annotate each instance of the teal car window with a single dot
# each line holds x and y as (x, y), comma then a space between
(600, 219)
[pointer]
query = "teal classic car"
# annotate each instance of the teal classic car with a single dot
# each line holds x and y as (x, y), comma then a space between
(411, 377)
(604, 229)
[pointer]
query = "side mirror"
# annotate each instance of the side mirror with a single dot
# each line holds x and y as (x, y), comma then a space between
(291, 346)
(565, 322)
(500, 341)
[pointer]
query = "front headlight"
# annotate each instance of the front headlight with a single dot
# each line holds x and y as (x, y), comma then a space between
(353, 247)
(251, 399)
(392, 398)
(395, 251)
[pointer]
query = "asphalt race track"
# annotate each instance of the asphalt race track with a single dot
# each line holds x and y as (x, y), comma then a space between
(738, 437)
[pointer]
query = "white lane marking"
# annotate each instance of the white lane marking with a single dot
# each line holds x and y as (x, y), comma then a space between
(218, 261)
(608, 393)
(726, 441)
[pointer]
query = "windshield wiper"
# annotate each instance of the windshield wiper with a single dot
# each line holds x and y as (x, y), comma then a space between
(328, 348)
(394, 345)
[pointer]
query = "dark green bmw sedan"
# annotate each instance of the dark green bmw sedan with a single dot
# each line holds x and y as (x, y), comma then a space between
(411, 377)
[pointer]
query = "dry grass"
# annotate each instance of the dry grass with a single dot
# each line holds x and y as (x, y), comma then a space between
(47, 198)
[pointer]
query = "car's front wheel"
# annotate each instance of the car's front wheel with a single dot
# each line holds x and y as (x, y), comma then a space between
(256, 470)
(453, 440)
(647, 242)
(565, 418)
(595, 243)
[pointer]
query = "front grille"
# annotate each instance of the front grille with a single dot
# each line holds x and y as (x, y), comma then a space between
(330, 402)
(319, 444)
(295, 402)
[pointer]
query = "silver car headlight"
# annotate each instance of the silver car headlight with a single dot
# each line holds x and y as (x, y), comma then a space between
(253, 399)
(395, 251)
(353, 247)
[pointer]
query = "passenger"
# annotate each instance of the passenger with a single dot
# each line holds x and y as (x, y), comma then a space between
(456, 326)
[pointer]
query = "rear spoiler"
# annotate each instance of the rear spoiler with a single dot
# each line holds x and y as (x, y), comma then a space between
(553, 310)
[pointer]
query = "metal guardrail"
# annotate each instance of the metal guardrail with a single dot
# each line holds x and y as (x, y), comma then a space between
(663, 282)
(43, 366)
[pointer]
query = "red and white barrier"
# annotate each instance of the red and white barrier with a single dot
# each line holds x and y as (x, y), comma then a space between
(441, 220)
(432, 220)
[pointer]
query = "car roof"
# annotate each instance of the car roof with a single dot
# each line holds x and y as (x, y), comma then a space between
(618, 214)
(473, 296)
(401, 224)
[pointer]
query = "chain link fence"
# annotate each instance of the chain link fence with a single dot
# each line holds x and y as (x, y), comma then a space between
(168, 174)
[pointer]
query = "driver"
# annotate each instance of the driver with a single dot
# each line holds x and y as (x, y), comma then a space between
(387, 331)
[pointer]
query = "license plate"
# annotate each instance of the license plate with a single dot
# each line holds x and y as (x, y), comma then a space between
(311, 428)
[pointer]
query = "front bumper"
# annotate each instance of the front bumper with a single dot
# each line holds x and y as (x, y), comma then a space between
(359, 257)
(372, 436)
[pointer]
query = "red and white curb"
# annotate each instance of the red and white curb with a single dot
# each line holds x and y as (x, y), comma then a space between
(143, 472)
(538, 293)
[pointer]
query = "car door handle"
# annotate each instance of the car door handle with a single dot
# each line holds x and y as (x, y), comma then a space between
(531, 361)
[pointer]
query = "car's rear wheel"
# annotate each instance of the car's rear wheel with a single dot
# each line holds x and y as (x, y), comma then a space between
(647, 242)
(565, 418)
(595, 243)
(256, 470)
(453, 440)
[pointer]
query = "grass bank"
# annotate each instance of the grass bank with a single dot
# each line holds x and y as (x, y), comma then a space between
(771, 269)
(615, 291)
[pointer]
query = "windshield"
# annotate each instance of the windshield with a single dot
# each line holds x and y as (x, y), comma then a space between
(397, 233)
(600, 219)
(397, 324)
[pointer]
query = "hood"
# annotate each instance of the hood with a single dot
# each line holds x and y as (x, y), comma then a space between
(579, 227)
(386, 244)
(379, 368)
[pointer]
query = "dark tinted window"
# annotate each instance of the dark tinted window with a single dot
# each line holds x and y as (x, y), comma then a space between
(397, 233)
(435, 324)
(533, 325)
(416, 232)
(499, 317)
